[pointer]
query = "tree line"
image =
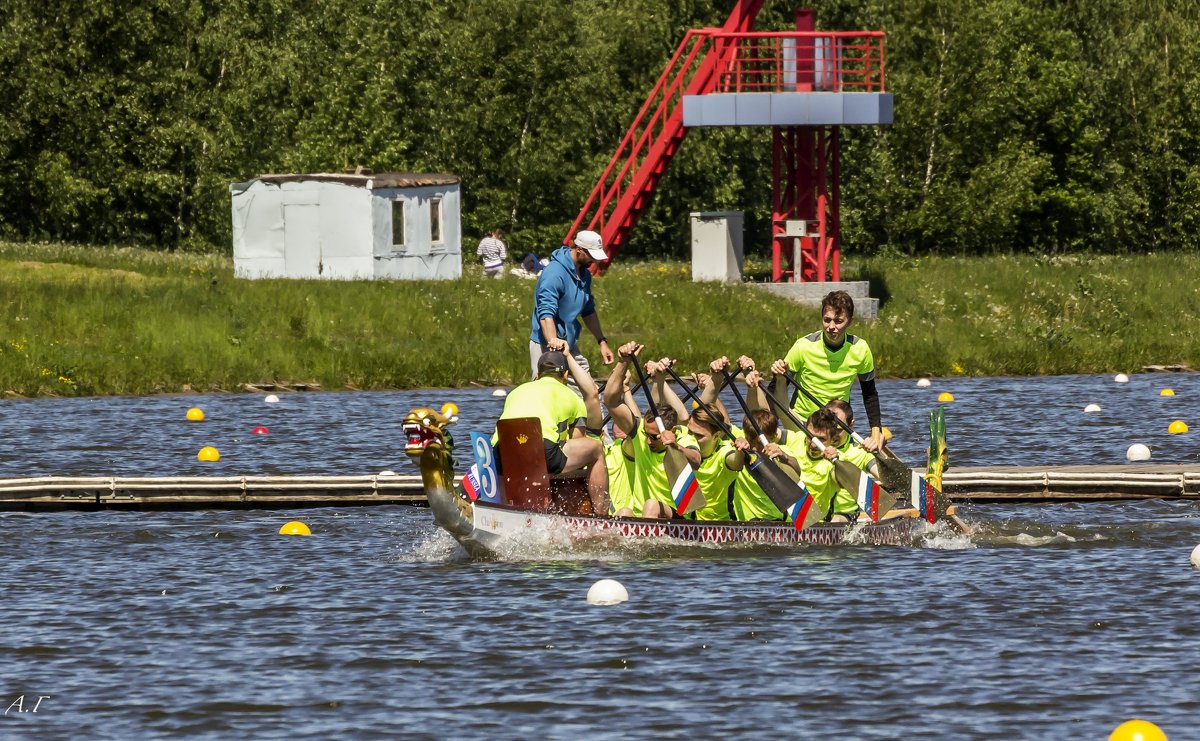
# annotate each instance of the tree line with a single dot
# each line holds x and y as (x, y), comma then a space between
(1028, 125)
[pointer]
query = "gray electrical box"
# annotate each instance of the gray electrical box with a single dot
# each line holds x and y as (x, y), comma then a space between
(717, 246)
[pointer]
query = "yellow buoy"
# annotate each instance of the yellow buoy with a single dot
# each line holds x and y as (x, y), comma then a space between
(195, 414)
(1166, 392)
(295, 527)
(1177, 427)
(1137, 730)
(208, 453)
(945, 396)
(449, 409)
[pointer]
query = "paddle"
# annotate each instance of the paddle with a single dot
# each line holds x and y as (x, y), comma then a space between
(788, 495)
(872, 498)
(898, 475)
(685, 490)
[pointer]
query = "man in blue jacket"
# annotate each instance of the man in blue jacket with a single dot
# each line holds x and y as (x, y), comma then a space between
(562, 297)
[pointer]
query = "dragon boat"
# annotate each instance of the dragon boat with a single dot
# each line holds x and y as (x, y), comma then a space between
(529, 509)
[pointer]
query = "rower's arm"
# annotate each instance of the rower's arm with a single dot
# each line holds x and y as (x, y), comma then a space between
(779, 388)
(755, 394)
(587, 387)
(614, 390)
(667, 394)
(870, 397)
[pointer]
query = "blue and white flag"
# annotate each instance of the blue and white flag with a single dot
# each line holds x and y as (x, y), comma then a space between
(487, 480)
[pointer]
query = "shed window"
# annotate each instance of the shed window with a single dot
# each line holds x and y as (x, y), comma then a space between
(435, 220)
(398, 223)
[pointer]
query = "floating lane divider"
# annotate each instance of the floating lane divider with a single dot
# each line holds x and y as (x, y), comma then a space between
(67, 491)
(979, 484)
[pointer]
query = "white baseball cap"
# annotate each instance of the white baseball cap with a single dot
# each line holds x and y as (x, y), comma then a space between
(590, 241)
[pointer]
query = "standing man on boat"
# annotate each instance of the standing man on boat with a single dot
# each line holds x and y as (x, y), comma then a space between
(827, 362)
(563, 297)
(560, 412)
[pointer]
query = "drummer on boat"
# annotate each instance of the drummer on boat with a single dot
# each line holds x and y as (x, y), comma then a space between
(561, 413)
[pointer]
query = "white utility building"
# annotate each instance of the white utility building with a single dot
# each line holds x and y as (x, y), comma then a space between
(347, 227)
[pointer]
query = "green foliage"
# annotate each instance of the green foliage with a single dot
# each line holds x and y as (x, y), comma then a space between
(1025, 125)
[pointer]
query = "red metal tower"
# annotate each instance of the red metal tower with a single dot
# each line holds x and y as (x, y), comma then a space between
(802, 83)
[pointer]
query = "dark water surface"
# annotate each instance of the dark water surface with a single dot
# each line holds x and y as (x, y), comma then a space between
(1053, 622)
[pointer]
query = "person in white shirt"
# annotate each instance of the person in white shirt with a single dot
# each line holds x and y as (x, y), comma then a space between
(493, 252)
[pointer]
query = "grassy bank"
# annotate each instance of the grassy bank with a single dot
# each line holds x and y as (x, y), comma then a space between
(80, 320)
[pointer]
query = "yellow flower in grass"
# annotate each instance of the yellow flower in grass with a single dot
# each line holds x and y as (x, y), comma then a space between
(47, 372)
(957, 367)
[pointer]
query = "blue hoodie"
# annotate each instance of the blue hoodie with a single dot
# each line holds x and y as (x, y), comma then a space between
(561, 293)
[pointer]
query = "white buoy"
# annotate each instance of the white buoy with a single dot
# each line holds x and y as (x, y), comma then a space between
(1121, 378)
(924, 383)
(1091, 408)
(271, 399)
(499, 392)
(607, 592)
(388, 472)
(1137, 452)
(1196, 556)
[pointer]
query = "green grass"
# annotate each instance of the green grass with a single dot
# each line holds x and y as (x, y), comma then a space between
(86, 320)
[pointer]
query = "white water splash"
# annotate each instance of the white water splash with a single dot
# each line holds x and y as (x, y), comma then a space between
(1025, 539)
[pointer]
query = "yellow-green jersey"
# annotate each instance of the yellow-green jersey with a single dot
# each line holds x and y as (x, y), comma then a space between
(550, 400)
(846, 501)
(825, 373)
(750, 502)
(647, 475)
(817, 475)
(620, 488)
(714, 477)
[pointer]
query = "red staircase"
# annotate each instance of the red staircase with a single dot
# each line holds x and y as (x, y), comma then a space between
(624, 189)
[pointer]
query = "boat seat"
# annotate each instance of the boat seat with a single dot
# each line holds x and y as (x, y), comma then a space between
(525, 483)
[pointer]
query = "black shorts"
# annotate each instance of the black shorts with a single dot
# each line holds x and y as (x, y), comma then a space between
(556, 459)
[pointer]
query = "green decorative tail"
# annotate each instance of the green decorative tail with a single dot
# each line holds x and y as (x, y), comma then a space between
(938, 459)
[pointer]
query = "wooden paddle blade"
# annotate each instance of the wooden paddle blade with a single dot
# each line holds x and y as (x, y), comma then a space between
(804, 512)
(846, 474)
(927, 498)
(685, 489)
(873, 499)
(781, 489)
(894, 474)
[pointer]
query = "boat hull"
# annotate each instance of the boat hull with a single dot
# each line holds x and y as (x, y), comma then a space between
(499, 531)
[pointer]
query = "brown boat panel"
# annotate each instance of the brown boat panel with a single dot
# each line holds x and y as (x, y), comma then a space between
(524, 481)
(569, 493)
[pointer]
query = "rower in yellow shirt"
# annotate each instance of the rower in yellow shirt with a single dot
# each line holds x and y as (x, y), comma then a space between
(846, 502)
(645, 445)
(561, 412)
